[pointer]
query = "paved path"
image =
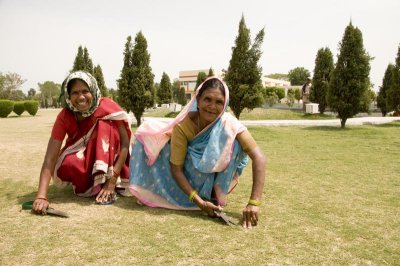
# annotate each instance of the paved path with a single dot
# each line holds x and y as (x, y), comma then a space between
(331, 122)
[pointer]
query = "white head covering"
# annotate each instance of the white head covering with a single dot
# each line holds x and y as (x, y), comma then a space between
(93, 88)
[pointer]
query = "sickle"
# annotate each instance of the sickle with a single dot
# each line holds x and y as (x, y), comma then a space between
(29, 204)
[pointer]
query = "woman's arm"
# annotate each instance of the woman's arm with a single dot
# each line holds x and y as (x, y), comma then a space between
(183, 183)
(124, 149)
(41, 202)
(250, 212)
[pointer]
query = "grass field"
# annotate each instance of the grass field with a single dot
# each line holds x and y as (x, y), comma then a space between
(256, 114)
(331, 198)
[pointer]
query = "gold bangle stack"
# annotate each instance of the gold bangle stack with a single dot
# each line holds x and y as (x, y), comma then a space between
(192, 195)
(254, 202)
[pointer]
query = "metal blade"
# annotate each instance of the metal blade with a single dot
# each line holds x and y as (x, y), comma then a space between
(225, 217)
(52, 211)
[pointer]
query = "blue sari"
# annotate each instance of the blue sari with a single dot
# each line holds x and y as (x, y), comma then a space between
(213, 162)
(156, 187)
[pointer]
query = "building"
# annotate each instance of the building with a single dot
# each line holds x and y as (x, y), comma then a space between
(188, 79)
(269, 82)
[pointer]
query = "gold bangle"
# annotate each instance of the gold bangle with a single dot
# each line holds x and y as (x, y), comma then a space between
(192, 195)
(254, 202)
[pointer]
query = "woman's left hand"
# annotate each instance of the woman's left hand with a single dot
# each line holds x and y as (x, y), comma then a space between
(250, 216)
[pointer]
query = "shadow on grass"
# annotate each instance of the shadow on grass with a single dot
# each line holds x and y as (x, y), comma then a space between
(394, 124)
(58, 195)
(130, 204)
(329, 128)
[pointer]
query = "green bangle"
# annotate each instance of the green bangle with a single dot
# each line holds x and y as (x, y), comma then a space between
(192, 195)
(254, 202)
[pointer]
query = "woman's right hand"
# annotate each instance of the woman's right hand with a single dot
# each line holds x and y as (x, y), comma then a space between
(210, 208)
(40, 206)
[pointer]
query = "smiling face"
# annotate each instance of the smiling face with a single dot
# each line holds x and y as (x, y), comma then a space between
(80, 95)
(211, 104)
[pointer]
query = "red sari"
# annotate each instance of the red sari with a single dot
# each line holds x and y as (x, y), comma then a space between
(91, 149)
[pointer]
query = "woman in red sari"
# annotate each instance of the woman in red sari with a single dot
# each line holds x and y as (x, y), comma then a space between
(94, 157)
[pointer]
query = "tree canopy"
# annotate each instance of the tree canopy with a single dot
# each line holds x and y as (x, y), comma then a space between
(98, 75)
(136, 85)
(320, 82)
(278, 76)
(49, 93)
(175, 90)
(10, 85)
(243, 76)
(387, 83)
(297, 76)
(164, 93)
(350, 78)
(83, 62)
(201, 76)
(210, 72)
(393, 93)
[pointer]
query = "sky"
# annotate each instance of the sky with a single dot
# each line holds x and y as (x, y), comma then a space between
(39, 39)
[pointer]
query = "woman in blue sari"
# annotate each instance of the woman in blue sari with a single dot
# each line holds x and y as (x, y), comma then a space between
(195, 161)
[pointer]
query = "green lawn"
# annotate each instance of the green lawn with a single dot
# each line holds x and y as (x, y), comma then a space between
(331, 198)
(256, 114)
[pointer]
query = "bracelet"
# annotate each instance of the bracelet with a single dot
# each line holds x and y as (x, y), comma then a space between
(254, 202)
(43, 198)
(192, 195)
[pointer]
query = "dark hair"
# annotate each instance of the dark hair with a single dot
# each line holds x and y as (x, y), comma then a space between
(72, 83)
(211, 84)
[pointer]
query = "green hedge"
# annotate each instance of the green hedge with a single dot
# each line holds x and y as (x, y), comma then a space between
(19, 107)
(31, 107)
(6, 107)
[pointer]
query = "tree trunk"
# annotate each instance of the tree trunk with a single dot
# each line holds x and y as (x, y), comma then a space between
(343, 122)
(138, 120)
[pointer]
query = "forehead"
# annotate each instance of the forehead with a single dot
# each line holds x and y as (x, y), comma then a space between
(79, 84)
(213, 92)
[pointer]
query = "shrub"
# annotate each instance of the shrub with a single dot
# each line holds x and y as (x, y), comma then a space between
(19, 107)
(31, 107)
(271, 99)
(280, 92)
(290, 97)
(6, 107)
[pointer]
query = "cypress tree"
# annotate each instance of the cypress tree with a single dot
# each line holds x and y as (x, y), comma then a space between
(350, 78)
(79, 62)
(164, 93)
(320, 82)
(175, 90)
(88, 64)
(201, 76)
(243, 76)
(387, 83)
(84, 62)
(210, 72)
(393, 94)
(98, 75)
(126, 77)
(182, 96)
(137, 80)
